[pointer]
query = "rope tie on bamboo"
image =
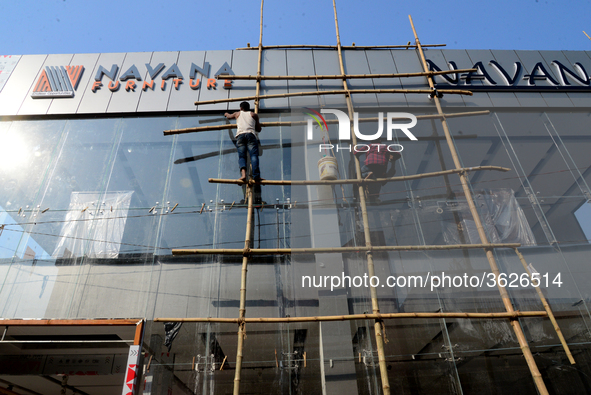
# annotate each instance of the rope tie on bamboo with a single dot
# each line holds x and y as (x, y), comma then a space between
(246, 251)
(380, 321)
(466, 170)
(435, 92)
(514, 315)
(242, 326)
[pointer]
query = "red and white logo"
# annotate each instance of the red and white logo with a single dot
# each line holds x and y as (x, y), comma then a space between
(57, 81)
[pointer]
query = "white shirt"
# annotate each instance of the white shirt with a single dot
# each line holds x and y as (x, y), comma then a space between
(245, 123)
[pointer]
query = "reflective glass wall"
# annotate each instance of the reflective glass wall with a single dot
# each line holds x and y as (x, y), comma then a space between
(92, 208)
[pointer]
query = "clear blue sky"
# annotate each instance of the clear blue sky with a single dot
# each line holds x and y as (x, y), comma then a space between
(81, 26)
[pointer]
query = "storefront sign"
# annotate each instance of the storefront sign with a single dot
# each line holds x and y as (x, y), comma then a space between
(62, 81)
(131, 78)
(131, 373)
(7, 65)
(497, 78)
(57, 82)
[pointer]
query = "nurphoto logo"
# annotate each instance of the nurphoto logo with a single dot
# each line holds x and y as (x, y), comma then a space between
(392, 122)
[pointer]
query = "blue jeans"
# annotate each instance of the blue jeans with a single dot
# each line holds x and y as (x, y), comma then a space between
(248, 141)
(374, 188)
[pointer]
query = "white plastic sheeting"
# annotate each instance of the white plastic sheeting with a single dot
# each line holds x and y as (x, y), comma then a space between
(502, 218)
(94, 225)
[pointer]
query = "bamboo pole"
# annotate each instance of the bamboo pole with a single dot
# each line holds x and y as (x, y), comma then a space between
(548, 310)
(481, 232)
(250, 196)
(335, 92)
(362, 181)
(352, 317)
(378, 328)
(339, 77)
(328, 121)
(242, 313)
(257, 100)
(344, 46)
(327, 250)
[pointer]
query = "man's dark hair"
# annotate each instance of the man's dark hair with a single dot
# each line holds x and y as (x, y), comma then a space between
(244, 106)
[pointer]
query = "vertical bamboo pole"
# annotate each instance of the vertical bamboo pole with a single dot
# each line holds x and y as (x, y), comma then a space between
(548, 310)
(483, 238)
(257, 101)
(241, 324)
(378, 324)
(247, 241)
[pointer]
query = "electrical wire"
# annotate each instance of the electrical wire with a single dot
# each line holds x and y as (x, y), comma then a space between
(7, 225)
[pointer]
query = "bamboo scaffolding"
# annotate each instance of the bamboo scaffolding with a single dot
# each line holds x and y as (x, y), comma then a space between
(250, 197)
(344, 46)
(328, 250)
(368, 248)
(378, 328)
(548, 310)
(339, 77)
(257, 101)
(481, 232)
(328, 121)
(352, 317)
(362, 181)
(334, 92)
(242, 313)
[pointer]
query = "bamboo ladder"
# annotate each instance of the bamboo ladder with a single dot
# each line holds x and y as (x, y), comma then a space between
(246, 252)
(541, 386)
(247, 241)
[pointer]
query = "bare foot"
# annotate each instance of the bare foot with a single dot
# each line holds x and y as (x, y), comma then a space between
(242, 175)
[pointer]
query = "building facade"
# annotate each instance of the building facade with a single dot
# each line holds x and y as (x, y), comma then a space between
(94, 197)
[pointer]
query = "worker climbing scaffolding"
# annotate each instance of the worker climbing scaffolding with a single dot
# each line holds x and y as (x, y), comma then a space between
(375, 165)
(246, 140)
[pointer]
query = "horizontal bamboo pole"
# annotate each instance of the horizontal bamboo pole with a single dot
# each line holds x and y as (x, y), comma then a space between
(328, 121)
(343, 46)
(357, 181)
(340, 77)
(351, 317)
(335, 92)
(326, 250)
(58, 322)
